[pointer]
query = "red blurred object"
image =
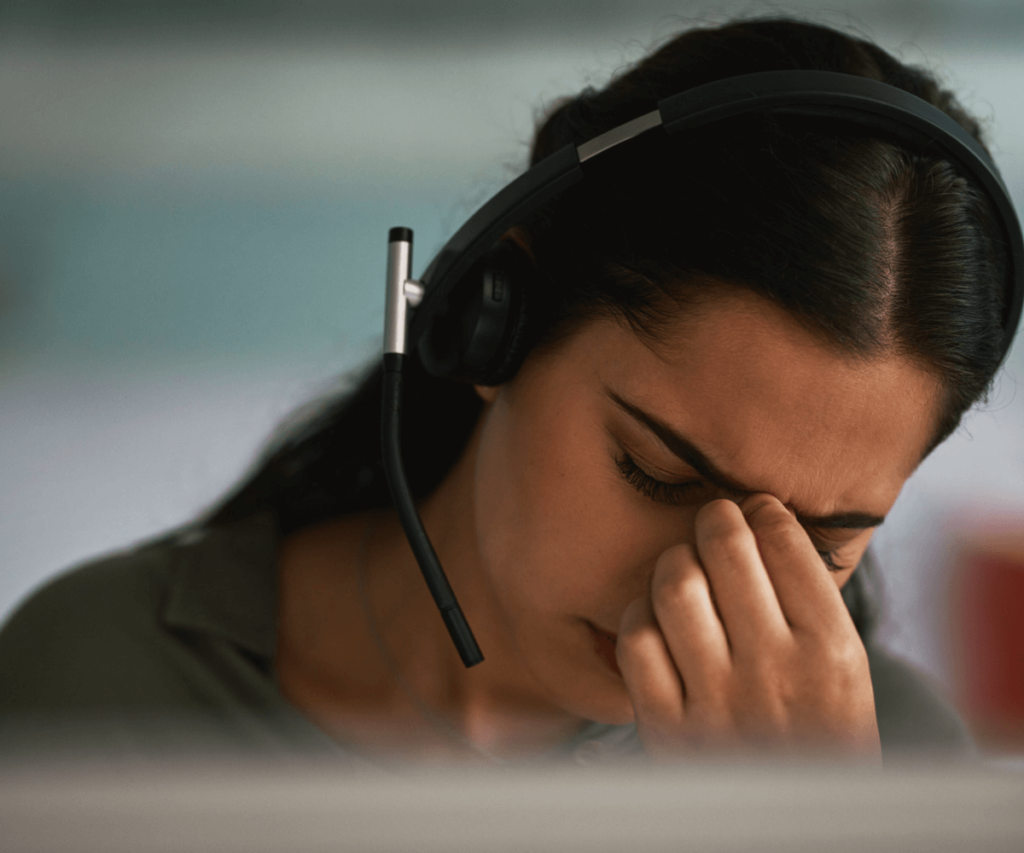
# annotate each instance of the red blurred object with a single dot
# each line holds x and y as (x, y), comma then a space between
(988, 614)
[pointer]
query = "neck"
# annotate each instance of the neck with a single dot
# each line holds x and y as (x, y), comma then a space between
(364, 652)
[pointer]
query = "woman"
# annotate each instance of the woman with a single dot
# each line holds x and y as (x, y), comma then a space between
(739, 347)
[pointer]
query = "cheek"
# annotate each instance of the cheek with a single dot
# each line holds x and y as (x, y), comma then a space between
(558, 530)
(523, 500)
(537, 505)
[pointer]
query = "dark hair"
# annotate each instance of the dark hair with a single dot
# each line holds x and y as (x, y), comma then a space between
(878, 250)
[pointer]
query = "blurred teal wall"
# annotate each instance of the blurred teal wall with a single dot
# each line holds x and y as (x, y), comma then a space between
(148, 273)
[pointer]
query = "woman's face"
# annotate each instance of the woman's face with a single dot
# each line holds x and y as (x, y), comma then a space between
(595, 459)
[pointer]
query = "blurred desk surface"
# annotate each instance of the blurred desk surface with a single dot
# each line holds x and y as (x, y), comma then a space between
(722, 807)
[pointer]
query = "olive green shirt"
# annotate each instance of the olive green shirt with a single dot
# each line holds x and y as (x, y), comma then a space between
(169, 647)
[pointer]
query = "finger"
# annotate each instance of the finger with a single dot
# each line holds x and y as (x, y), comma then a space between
(684, 609)
(805, 591)
(751, 611)
(654, 684)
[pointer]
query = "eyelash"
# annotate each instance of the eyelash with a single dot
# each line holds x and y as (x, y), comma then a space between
(656, 490)
(673, 493)
(829, 559)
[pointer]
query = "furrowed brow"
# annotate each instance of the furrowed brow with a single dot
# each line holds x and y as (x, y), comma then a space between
(689, 453)
(682, 447)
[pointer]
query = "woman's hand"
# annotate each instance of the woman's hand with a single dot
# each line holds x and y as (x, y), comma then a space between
(745, 642)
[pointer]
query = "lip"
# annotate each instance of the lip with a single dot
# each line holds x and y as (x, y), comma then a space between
(604, 647)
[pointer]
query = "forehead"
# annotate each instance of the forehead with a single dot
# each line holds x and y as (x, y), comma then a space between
(772, 406)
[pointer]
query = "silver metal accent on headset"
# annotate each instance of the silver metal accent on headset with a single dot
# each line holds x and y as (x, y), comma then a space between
(414, 292)
(401, 293)
(618, 135)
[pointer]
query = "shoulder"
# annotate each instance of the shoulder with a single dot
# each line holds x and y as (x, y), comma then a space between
(167, 624)
(86, 630)
(119, 586)
(912, 715)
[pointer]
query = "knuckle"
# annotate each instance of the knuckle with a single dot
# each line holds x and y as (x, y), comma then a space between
(718, 518)
(762, 673)
(779, 530)
(764, 510)
(681, 554)
(723, 537)
(727, 550)
(710, 723)
(634, 651)
(635, 644)
(634, 619)
(677, 577)
(844, 654)
(784, 534)
(673, 566)
(638, 634)
(780, 526)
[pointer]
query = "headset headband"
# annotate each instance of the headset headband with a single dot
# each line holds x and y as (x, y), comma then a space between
(884, 110)
(842, 99)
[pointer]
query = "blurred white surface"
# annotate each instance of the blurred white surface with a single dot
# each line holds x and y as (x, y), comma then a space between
(283, 110)
(705, 808)
(95, 460)
(420, 113)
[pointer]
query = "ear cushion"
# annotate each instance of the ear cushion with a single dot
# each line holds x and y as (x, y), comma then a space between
(480, 335)
(510, 356)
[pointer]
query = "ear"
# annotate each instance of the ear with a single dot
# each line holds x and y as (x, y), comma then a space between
(516, 234)
(487, 393)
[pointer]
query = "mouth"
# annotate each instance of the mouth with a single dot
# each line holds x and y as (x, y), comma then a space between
(604, 646)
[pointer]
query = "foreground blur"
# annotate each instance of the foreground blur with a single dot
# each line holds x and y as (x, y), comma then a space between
(307, 807)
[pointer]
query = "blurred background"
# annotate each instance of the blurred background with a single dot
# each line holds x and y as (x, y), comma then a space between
(194, 200)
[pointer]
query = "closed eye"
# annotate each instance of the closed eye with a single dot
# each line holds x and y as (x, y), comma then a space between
(657, 490)
(829, 559)
(674, 493)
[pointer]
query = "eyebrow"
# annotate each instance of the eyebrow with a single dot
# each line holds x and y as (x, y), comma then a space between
(689, 453)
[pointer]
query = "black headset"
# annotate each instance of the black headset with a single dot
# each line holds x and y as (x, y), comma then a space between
(470, 314)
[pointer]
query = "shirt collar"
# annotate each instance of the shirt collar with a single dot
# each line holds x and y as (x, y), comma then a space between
(225, 584)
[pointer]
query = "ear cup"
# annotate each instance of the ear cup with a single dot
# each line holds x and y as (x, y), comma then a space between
(479, 335)
(517, 344)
